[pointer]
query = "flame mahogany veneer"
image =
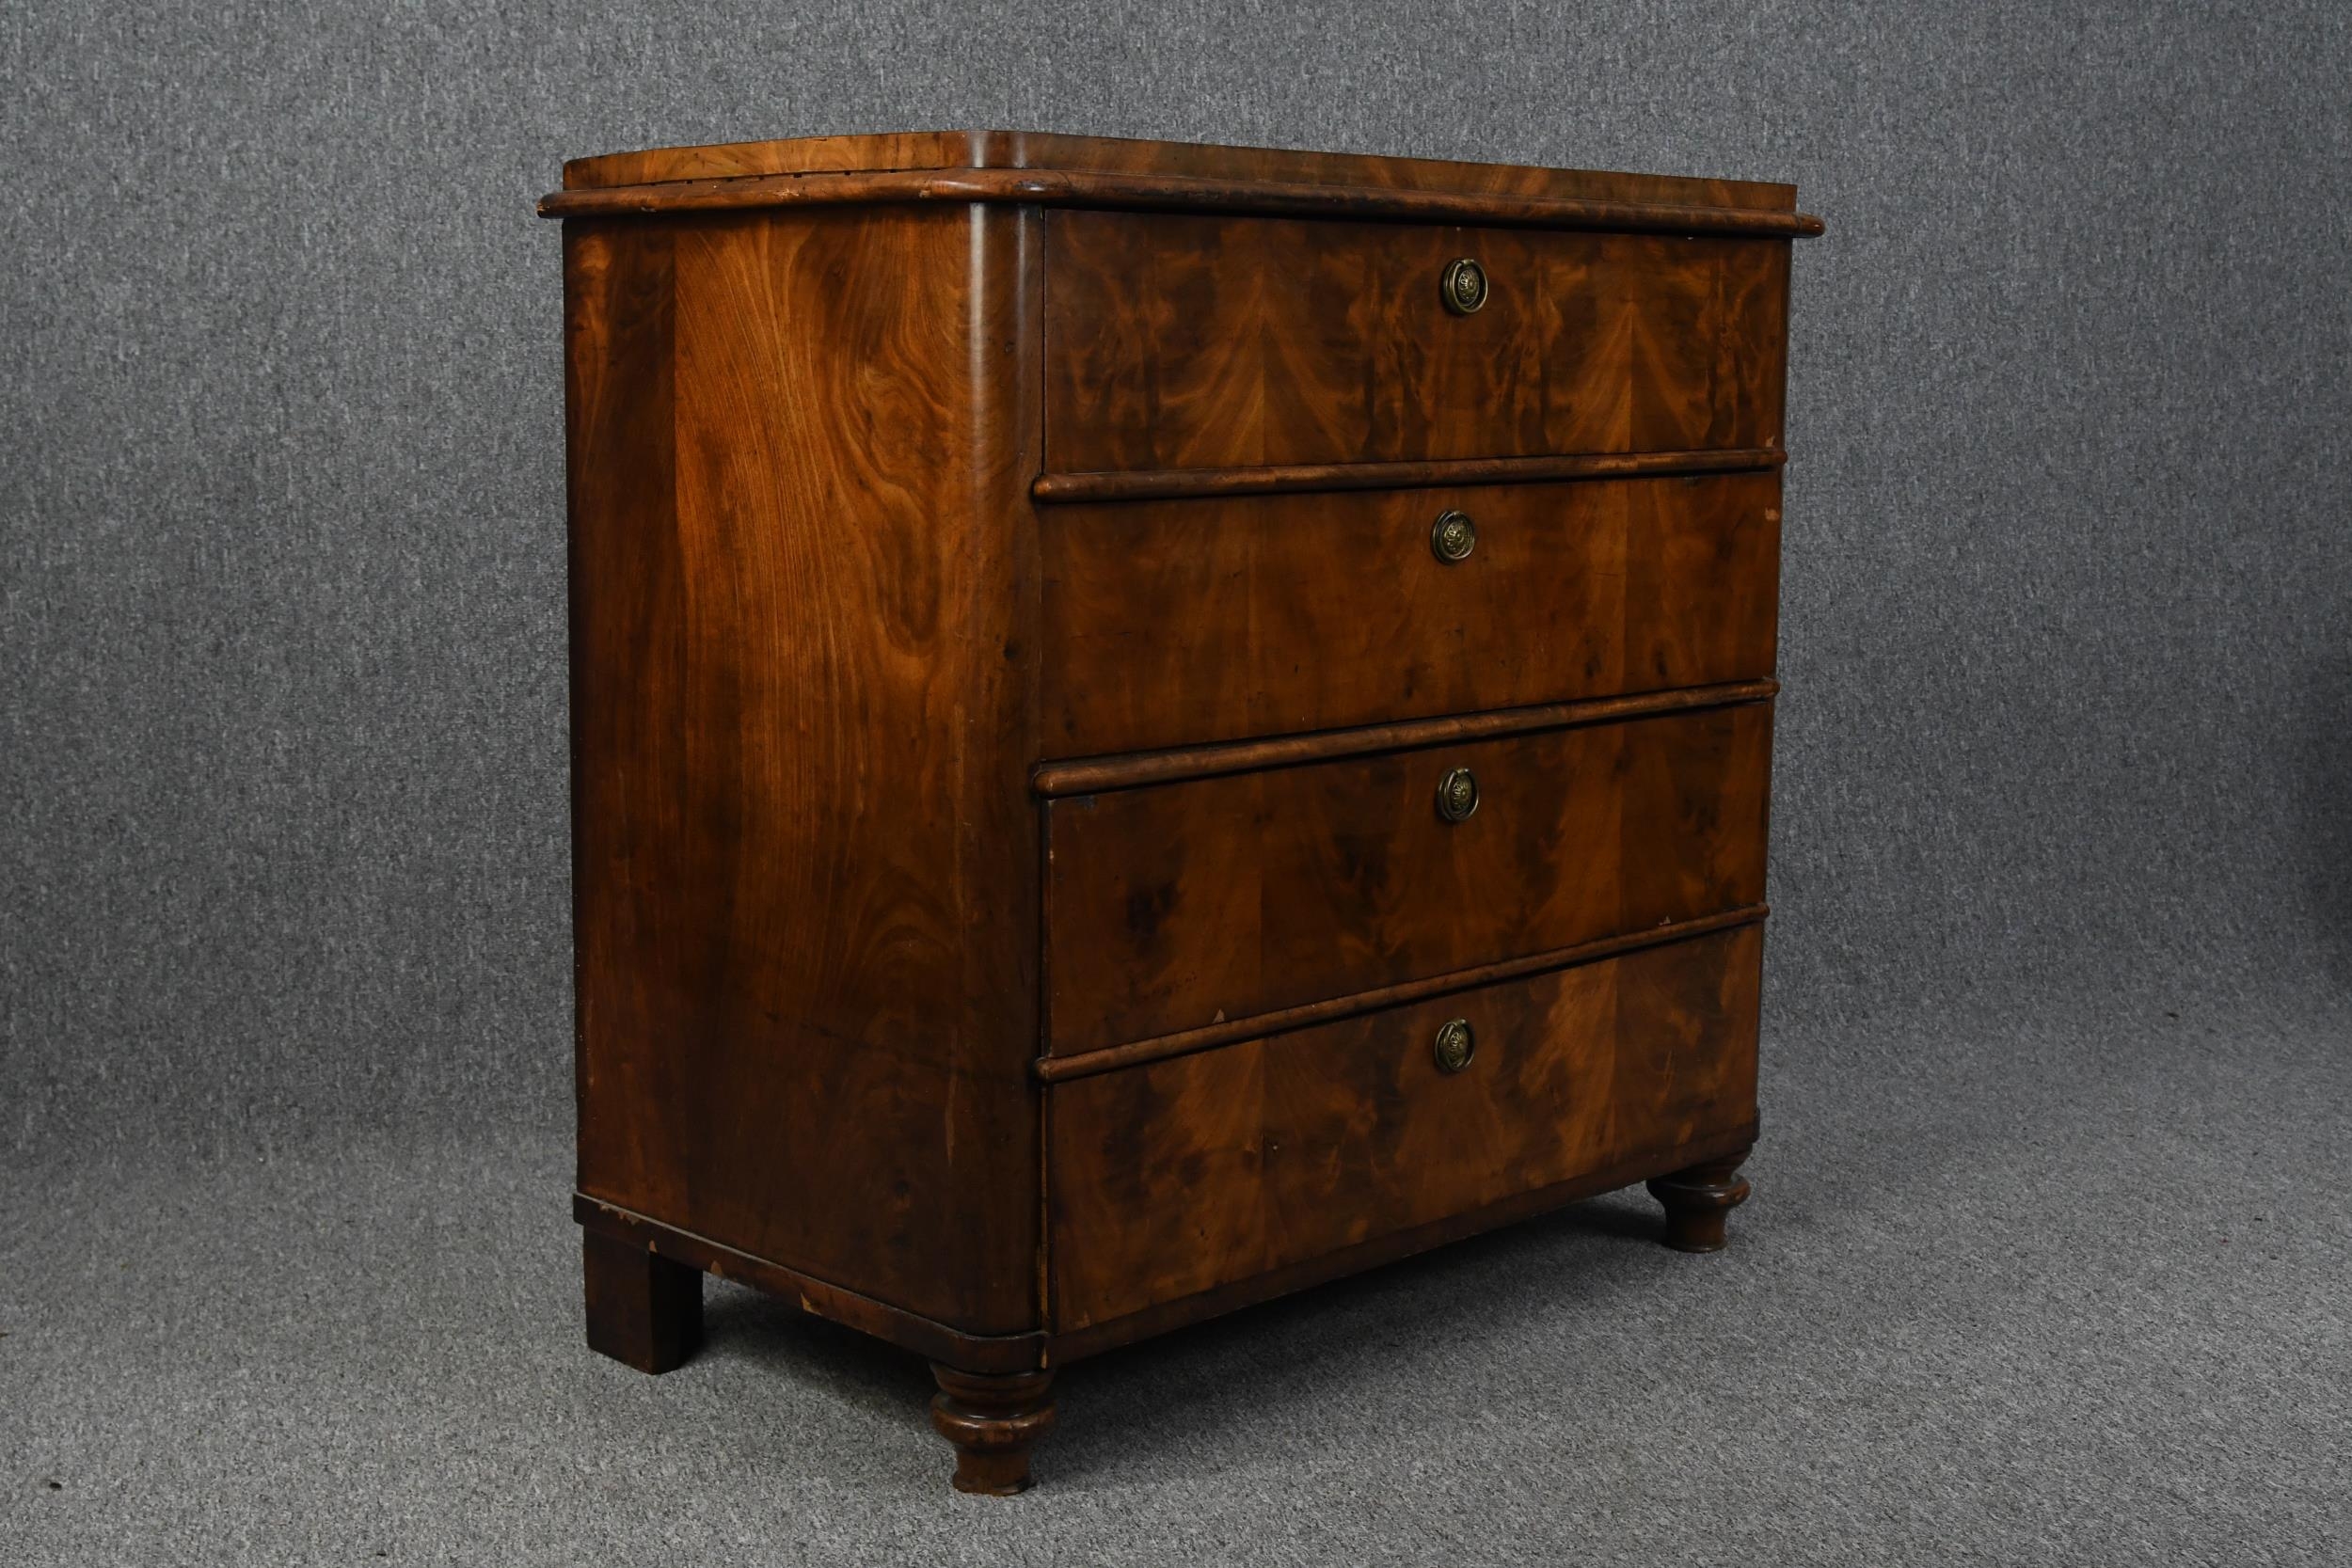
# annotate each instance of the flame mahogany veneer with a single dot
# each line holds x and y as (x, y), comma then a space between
(1027, 593)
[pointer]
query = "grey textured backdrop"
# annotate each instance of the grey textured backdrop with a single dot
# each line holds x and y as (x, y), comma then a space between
(2046, 1261)
(282, 733)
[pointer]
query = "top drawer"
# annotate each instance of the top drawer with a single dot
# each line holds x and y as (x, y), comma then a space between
(1182, 341)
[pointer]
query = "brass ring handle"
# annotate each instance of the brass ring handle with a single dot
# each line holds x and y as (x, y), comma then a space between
(1453, 536)
(1455, 1045)
(1464, 286)
(1457, 795)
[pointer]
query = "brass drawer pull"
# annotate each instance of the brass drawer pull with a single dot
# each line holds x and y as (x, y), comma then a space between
(1453, 536)
(1464, 286)
(1455, 1045)
(1457, 795)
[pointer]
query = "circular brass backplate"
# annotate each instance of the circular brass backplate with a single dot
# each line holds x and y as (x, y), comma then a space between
(1453, 536)
(1464, 286)
(1457, 795)
(1455, 1045)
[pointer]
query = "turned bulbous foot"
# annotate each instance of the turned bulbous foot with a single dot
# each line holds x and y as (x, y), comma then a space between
(1697, 1200)
(993, 1421)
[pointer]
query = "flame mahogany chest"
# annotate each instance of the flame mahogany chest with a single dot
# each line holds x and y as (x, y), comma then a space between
(1153, 724)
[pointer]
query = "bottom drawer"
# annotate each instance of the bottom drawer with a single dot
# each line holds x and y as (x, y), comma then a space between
(1185, 1175)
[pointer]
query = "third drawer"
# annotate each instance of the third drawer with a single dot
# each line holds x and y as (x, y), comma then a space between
(1190, 905)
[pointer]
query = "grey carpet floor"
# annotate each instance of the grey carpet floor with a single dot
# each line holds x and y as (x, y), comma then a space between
(2065, 1295)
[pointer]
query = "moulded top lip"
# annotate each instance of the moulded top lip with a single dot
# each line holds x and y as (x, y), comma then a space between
(1045, 152)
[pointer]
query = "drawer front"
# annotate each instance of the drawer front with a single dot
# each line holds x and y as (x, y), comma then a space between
(1320, 612)
(1185, 342)
(1177, 905)
(1202, 1170)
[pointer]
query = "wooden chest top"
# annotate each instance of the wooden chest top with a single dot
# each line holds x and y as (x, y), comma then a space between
(1108, 164)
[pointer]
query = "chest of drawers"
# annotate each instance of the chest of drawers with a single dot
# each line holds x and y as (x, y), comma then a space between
(1153, 724)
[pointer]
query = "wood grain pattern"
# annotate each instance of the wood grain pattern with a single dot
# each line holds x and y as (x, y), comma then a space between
(1191, 341)
(1033, 151)
(1085, 1063)
(1146, 193)
(1173, 1179)
(1011, 680)
(1179, 906)
(926, 1337)
(1313, 612)
(890, 150)
(802, 713)
(1134, 485)
(1094, 775)
(1075, 1344)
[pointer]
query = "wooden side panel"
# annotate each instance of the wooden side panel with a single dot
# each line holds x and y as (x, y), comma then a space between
(803, 589)
(1321, 611)
(1184, 341)
(1177, 905)
(1190, 1174)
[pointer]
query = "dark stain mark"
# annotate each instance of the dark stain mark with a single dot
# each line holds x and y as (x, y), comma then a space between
(1364, 863)
(1147, 907)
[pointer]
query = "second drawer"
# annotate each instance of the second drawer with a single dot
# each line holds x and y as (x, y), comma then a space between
(1312, 613)
(1178, 905)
